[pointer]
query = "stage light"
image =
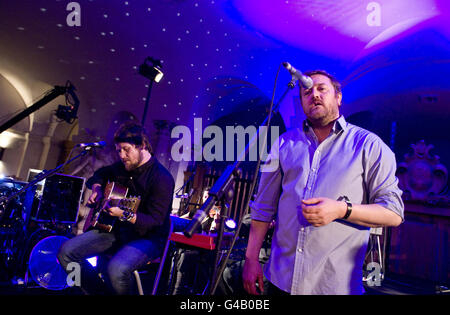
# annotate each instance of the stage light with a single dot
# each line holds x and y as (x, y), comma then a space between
(92, 261)
(69, 111)
(230, 224)
(151, 69)
(66, 113)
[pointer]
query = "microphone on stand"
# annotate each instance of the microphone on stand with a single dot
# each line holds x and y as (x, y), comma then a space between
(305, 81)
(99, 144)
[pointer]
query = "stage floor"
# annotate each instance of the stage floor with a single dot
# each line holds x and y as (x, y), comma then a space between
(389, 286)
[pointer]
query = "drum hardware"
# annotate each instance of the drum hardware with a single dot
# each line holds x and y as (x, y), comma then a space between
(11, 226)
(19, 222)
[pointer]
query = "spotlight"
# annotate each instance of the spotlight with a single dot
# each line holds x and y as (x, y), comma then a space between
(151, 69)
(230, 224)
(69, 111)
(66, 113)
(92, 261)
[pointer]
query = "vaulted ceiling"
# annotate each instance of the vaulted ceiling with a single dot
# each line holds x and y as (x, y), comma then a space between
(221, 56)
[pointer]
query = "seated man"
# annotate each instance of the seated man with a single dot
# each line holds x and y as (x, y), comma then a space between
(135, 237)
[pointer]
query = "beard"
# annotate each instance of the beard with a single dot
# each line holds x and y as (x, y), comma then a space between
(132, 164)
(321, 116)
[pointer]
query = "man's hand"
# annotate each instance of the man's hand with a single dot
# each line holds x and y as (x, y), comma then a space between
(252, 271)
(251, 275)
(115, 211)
(97, 194)
(321, 211)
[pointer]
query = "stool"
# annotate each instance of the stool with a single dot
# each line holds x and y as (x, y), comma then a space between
(161, 260)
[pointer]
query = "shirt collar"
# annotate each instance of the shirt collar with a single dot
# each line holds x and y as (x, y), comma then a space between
(339, 124)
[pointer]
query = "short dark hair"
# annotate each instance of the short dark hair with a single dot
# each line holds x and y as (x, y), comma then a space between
(336, 84)
(134, 133)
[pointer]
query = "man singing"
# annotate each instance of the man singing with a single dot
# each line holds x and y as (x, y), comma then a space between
(333, 182)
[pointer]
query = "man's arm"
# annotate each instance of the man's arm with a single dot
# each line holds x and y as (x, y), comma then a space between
(321, 211)
(373, 215)
(158, 203)
(252, 272)
(384, 206)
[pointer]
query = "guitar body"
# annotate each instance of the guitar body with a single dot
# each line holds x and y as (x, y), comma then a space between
(114, 196)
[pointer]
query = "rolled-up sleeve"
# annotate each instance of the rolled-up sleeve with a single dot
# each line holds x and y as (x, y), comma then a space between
(380, 178)
(265, 206)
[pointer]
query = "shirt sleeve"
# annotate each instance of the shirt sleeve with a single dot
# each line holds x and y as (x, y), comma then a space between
(382, 184)
(265, 206)
(158, 204)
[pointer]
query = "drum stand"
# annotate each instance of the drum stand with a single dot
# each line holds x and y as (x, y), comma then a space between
(4, 201)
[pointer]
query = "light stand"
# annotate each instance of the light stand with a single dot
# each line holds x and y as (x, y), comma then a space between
(152, 72)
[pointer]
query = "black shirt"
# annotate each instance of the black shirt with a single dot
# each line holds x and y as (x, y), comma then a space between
(153, 183)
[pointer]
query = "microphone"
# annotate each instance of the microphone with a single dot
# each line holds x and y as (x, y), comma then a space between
(305, 81)
(99, 144)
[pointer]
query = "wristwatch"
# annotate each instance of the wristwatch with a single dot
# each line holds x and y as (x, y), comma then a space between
(127, 216)
(349, 206)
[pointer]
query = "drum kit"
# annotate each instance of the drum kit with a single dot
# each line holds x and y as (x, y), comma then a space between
(34, 221)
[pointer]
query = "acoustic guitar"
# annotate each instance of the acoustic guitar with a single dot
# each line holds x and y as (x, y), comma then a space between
(114, 196)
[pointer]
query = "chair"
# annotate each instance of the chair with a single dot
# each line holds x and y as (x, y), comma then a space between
(161, 260)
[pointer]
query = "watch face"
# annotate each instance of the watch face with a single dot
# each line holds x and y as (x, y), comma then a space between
(124, 216)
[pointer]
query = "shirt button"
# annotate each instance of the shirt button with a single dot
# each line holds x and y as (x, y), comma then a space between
(302, 229)
(300, 250)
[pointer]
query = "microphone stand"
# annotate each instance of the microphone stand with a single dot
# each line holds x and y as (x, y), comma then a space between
(222, 188)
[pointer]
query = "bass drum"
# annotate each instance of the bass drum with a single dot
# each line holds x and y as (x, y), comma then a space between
(43, 265)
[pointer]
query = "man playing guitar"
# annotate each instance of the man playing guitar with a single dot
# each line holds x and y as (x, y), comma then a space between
(136, 236)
